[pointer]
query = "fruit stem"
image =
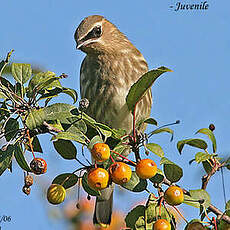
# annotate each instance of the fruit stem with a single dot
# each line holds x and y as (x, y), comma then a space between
(161, 200)
(180, 214)
(123, 157)
(214, 221)
(205, 212)
(112, 159)
(30, 142)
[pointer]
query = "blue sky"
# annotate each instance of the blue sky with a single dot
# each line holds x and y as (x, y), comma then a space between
(194, 44)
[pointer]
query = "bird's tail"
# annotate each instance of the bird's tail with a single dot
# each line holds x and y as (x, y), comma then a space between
(103, 207)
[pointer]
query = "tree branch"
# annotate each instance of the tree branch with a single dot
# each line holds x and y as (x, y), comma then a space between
(206, 178)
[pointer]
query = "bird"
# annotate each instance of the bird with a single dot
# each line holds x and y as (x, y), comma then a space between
(111, 66)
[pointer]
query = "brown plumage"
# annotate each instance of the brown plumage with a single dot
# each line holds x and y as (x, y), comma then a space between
(112, 65)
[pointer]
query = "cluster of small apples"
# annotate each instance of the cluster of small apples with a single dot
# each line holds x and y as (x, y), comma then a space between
(56, 193)
(38, 166)
(118, 172)
(28, 182)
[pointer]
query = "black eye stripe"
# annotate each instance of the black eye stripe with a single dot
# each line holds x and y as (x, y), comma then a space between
(94, 33)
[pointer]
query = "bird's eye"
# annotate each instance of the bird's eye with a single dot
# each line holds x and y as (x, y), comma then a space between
(96, 31)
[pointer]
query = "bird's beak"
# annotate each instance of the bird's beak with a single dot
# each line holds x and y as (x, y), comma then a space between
(82, 42)
(79, 44)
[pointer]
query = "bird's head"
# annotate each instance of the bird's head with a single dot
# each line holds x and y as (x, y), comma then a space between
(95, 35)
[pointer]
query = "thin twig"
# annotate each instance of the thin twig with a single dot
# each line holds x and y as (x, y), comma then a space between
(206, 178)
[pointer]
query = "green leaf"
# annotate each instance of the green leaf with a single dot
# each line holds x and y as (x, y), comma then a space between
(21, 72)
(19, 90)
(6, 158)
(223, 225)
(104, 130)
(36, 145)
(87, 119)
(227, 163)
(56, 124)
(42, 81)
(155, 148)
(211, 136)
(162, 130)
(165, 160)
(35, 118)
(72, 129)
(78, 137)
(86, 187)
(12, 126)
(50, 93)
(66, 149)
(196, 196)
(121, 149)
(227, 206)
(3, 63)
(150, 121)
(67, 180)
(158, 178)
(118, 133)
(4, 112)
(3, 96)
(7, 84)
(143, 218)
(94, 140)
(198, 143)
(135, 184)
(172, 171)
(141, 225)
(58, 111)
(207, 166)
(153, 210)
(200, 156)
(138, 89)
(10, 167)
(71, 92)
(133, 216)
(77, 124)
(20, 158)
